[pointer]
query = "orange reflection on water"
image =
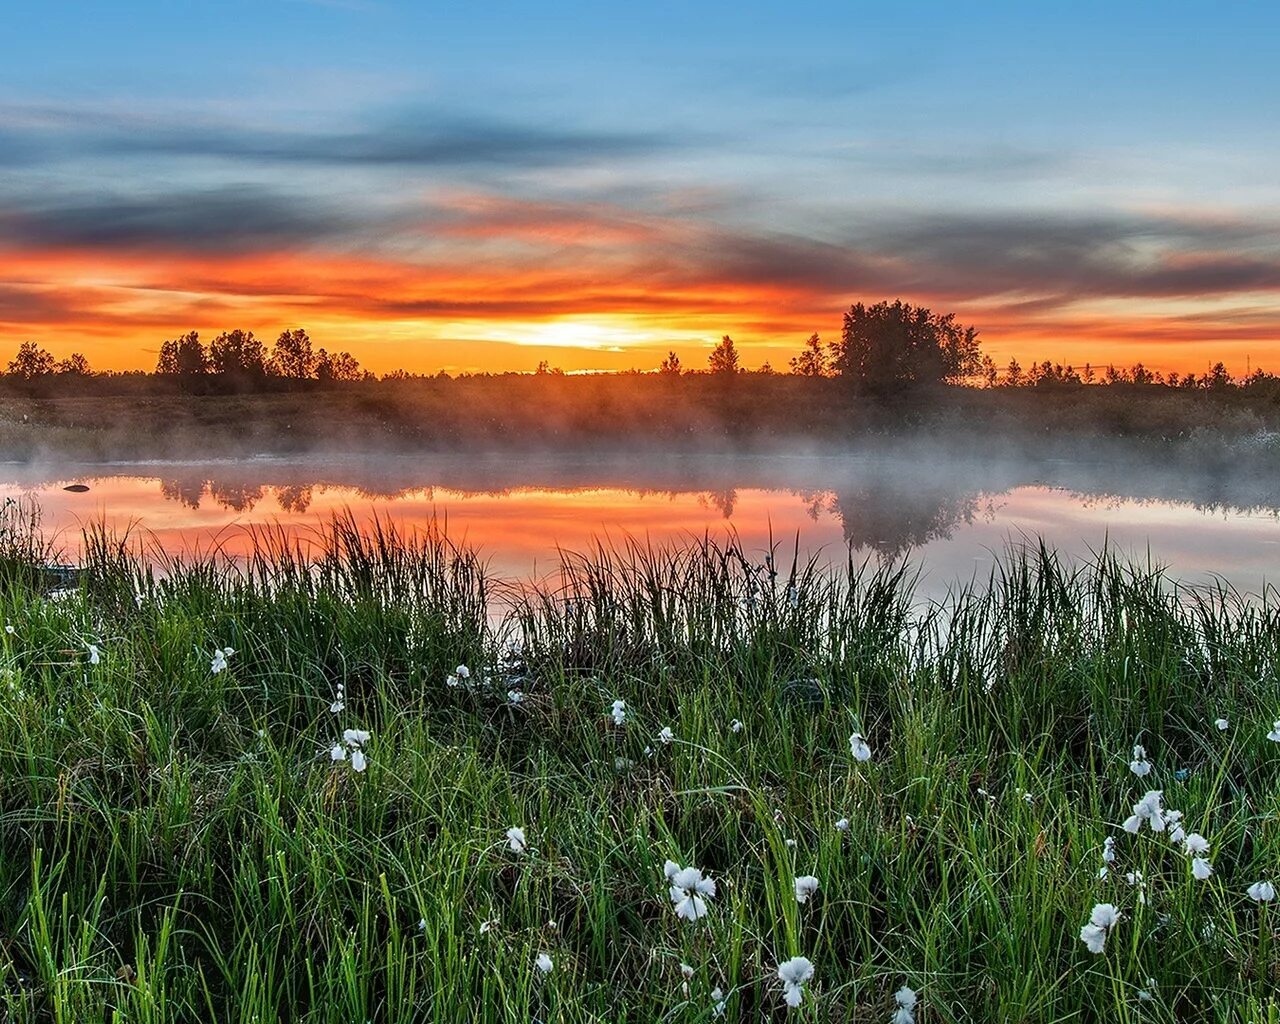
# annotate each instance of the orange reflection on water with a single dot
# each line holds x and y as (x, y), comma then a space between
(953, 532)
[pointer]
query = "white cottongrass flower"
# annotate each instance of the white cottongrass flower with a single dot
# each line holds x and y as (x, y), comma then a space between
(1195, 845)
(353, 739)
(1140, 766)
(1201, 868)
(1177, 833)
(1108, 850)
(718, 1009)
(514, 696)
(806, 886)
(1102, 919)
(791, 843)
(735, 726)
(516, 841)
(793, 974)
(95, 656)
(906, 999)
(686, 970)
(1222, 724)
(1262, 892)
(858, 747)
(462, 672)
(488, 926)
(544, 963)
(1147, 809)
(688, 890)
(665, 735)
(340, 703)
(619, 711)
(1274, 734)
(8, 628)
(218, 663)
(842, 824)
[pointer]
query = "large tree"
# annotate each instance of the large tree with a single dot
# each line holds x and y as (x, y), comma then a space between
(183, 357)
(894, 345)
(724, 357)
(31, 361)
(238, 354)
(292, 356)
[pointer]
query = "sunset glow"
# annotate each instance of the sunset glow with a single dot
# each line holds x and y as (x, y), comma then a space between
(424, 217)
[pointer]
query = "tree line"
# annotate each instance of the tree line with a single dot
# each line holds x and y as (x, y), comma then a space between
(885, 348)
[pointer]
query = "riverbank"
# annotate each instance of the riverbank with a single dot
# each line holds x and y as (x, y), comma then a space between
(272, 793)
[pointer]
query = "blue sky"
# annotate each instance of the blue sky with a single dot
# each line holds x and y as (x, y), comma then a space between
(1102, 174)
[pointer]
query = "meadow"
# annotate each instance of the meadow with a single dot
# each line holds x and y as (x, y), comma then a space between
(363, 781)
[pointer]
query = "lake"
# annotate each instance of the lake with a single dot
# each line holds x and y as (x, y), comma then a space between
(951, 518)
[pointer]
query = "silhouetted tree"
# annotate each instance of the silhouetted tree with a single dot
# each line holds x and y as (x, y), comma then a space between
(31, 362)
(75, 365)
(990, 372)
(183, 357)
(812, 361)
(670, 365)
(1013, 374)
(890, 346)
(238, 354)
(292, 357)
(341, 366)
(724, 357)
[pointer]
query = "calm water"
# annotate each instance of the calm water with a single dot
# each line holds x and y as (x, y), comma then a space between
(951, 518)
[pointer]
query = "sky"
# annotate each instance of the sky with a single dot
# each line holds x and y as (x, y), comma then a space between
(482, 187)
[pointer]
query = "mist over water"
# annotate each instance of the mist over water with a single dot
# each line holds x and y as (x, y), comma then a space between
(950, 517)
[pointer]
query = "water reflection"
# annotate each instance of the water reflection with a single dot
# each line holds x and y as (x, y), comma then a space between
(884, 508)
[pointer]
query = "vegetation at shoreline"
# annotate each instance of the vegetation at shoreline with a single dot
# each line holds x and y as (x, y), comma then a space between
(268, 792)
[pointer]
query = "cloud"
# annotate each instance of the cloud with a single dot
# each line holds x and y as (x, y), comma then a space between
(419, 137)
(228, 219)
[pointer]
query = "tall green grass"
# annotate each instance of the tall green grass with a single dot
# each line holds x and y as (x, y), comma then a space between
(178, 845)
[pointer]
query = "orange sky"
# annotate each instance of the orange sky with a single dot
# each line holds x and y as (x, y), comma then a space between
(511, 284)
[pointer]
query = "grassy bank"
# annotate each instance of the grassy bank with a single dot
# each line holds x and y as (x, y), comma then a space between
(630, 413)
(184, 835)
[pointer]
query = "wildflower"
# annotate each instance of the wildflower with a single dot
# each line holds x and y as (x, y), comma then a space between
(735, 726)
(340, 703)
(422, 924)
(1262, 892)
(686, 970)
(842, 824)
(791, 843)
(544, 963)
(462, 672)
(666, 735)
(489, 925)
(858, 747)
(516, 842)
(1147, 809)
(1201, 868)
(793, 974)
(1177, 833)
(514, 696)
(1222, 724)
(906, 999)
(1195, 844)
(1140, 766)
(720, 1005)
(8, 628)
(618, 711)
(354, 739)
(95, 656)
(218, 663)
(806, 886)
(687, 890)
(1102, 919)
(1274, 734)
(1108, 850)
